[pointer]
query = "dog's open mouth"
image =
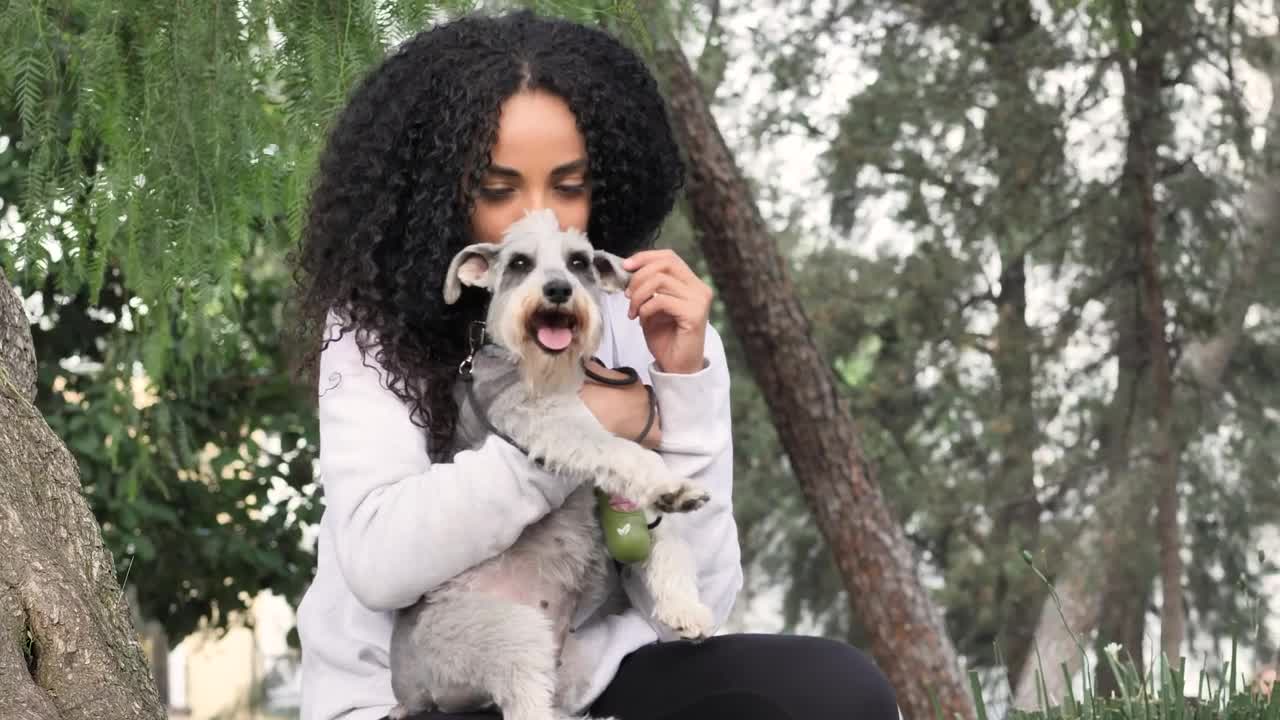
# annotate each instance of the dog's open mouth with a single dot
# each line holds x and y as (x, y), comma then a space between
(552, 330)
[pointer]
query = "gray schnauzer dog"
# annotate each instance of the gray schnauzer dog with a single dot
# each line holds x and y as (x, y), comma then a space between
(494, 634)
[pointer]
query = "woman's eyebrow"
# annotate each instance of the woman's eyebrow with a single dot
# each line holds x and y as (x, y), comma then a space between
(503, 170)
(576, 166)
(568, 168)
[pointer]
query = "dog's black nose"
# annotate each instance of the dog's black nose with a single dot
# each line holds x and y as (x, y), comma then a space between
(557, 291)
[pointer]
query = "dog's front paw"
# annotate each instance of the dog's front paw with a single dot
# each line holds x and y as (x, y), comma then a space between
(689, 619)
(644, 479)
(680, 496)
(398, 712)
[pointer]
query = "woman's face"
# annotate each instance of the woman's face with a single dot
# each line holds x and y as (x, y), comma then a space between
(539, 160)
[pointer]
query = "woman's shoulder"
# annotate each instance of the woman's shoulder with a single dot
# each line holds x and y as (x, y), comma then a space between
(349, 354)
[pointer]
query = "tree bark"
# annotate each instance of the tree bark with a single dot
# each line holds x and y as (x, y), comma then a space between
(905, 630)
(68, 650)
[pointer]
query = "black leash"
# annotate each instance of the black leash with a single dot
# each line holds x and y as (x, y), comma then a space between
(476, 339)
(632, 378)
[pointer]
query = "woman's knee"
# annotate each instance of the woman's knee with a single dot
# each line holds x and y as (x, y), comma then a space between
(817, 677)
(867, 692)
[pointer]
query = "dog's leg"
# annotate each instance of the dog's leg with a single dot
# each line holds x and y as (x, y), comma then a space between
(468, 649)
(567, 438)
(521, 666)
(672, 579)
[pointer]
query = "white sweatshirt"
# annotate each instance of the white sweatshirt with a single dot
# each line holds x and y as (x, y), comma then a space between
(396, 525)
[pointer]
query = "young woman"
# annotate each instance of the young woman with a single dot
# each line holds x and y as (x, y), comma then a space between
(455, 136)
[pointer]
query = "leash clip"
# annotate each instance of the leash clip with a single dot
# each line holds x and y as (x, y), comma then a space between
(475, 340)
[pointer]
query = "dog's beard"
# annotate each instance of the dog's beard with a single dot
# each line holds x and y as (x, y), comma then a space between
(545, 370)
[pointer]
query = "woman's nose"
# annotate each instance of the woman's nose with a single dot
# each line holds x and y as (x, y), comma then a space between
(539, 201)
(536, 200)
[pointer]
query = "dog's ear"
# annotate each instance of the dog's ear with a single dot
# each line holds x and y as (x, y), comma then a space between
(473, 265)
(609, 269)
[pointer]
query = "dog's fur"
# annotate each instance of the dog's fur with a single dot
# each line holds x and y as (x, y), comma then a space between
(495, 633)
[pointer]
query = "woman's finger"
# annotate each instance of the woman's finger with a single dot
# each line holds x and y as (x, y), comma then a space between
(661, 303)
(648, 261)
(664, 284)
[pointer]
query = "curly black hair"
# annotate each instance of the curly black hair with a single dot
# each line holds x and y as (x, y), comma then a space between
(393, 195)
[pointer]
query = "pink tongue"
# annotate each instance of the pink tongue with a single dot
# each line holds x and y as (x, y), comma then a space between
(555, 338)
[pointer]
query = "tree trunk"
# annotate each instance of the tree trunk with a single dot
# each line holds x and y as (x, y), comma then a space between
(1145, 110)
(1063, 632)
(874, 559)
(1096, 585)
(1017, 127)
(1147, 125)
(67, 645)
(1086, 572)
(1118, 566)
(1172, 625)
(1016, 524)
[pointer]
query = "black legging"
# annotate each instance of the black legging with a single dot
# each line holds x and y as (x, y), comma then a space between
(741, 677)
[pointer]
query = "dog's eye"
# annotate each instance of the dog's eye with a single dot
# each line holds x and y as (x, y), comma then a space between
(578, 262)
(520, 262)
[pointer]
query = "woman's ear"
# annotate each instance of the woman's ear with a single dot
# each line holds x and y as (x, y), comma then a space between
(473, 265)
(612, 277)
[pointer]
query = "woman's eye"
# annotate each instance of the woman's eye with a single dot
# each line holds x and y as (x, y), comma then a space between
(495, 193)
(572, 189)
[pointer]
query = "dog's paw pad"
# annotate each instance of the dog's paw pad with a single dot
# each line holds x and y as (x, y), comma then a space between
(694, 636)
(689, 504)
(693, 633)
(686, 498)
(690, 620)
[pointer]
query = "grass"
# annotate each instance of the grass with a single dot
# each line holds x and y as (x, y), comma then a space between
(1152, 694)
(1141, 698)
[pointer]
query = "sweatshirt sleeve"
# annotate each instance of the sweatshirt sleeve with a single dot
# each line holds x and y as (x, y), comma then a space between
(697, 443)
(403, 525)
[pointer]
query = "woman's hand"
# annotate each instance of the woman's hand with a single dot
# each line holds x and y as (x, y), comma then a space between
(672, 303)
(622, 410)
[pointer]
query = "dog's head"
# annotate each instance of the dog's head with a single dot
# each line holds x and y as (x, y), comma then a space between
(542, 278)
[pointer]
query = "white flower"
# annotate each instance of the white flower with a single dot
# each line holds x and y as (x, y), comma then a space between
(1112, 649)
